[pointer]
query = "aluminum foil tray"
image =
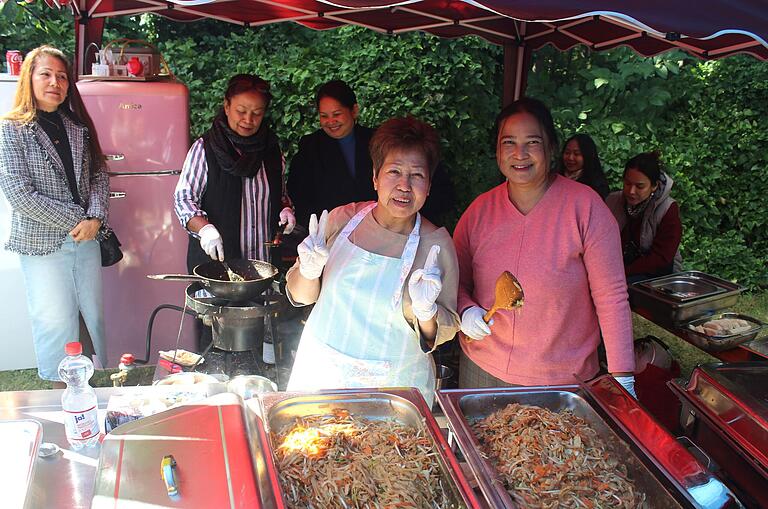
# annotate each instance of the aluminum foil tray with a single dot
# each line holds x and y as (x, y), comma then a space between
(684, 296)
(660, 467)
(403, 405)
(719, 343)
(735, 398)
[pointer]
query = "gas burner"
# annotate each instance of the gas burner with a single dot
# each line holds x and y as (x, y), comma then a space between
(235, 364)
(237, 326)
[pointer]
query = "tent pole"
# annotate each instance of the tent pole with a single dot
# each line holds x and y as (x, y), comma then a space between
(87, 30)
(517, 63)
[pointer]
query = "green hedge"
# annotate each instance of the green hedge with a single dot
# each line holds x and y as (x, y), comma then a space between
(707, 118)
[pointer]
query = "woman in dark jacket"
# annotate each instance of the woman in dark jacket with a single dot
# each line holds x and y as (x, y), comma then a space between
(649, 219)
(580, 162)
(333, 165)
(52, 173)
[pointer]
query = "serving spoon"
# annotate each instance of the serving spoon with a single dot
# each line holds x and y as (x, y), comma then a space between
(233, 276)
(509, 294)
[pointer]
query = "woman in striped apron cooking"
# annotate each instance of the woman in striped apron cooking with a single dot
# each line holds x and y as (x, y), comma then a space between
(383, 278)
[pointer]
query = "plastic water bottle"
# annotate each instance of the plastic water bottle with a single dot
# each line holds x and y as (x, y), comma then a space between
(81, 417)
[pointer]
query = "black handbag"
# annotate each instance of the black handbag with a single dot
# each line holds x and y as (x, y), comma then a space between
(110, 247)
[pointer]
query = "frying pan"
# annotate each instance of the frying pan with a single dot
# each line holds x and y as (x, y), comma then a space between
(212, 275)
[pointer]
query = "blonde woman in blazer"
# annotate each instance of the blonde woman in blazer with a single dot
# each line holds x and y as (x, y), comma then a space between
(52, 173)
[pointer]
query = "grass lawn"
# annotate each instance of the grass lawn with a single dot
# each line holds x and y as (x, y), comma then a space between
(688, 356)
(27, 380)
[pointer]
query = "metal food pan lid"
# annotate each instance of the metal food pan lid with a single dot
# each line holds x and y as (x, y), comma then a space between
(209, 452)
(735, 398)
(686, 286)
(609, 408)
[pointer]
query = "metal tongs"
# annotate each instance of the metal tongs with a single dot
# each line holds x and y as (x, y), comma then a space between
(278, 240)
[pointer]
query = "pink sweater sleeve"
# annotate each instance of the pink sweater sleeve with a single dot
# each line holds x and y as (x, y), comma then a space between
(461, 239)
(608, 287)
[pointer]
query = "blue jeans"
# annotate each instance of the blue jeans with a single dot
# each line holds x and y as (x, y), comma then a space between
(60, 286)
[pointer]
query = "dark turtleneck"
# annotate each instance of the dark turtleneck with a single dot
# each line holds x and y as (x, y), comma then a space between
(52, 124)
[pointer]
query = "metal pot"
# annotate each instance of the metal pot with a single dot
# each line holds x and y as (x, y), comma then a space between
(213, 276)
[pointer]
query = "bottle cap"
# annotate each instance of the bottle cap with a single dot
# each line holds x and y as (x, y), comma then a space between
(73, 348)
(127, 359)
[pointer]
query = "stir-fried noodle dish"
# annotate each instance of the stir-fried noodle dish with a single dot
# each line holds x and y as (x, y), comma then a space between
(551, 460)
(344, 461)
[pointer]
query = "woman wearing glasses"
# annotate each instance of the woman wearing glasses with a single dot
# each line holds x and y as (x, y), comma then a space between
(238, 156)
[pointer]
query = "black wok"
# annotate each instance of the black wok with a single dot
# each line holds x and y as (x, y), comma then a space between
(213, 276)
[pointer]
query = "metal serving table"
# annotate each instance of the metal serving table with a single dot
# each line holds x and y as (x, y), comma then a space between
(66, 479)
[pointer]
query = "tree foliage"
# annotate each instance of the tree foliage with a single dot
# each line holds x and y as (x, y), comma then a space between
(706, 118)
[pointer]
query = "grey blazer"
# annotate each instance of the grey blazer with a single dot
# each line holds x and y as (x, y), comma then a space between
(34, 182)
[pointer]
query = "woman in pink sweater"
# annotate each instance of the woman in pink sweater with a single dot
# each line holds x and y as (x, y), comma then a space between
(562, 243)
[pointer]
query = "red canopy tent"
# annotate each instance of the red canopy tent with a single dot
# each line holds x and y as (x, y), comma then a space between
(705, 28)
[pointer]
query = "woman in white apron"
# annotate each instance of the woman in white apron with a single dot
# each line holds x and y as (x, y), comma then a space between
(383, 279)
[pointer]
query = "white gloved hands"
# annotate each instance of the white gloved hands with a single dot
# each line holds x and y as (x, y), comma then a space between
(287, 218)
(472, 323)
(210, 241)
(424, 286)
(313, 253)
(628, 382)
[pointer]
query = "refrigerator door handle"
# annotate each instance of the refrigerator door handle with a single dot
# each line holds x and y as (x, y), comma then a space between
(116, 194)
(114, 157)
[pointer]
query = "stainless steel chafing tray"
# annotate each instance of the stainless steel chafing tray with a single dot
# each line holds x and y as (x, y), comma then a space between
(403, 405)
(719, 343)
(683, 296)
(660, 467)
(725, 411)
(219, 459)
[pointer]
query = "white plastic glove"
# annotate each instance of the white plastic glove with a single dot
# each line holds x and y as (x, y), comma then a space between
(628, 382)
(288, 218)
(472, 323)
(313, 253)
(210, 241)
(424, 286)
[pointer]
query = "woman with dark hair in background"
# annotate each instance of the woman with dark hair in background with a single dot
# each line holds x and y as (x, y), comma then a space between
(231, 193)
(382, 278)
(333, 166)
(53, 174)
(560, 241)
(580, 162)
(649, 219)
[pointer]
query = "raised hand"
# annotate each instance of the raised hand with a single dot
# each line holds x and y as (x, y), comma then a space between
(313, 253)
(424, 286)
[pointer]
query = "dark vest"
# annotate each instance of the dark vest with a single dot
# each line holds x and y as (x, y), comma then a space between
(222, 201)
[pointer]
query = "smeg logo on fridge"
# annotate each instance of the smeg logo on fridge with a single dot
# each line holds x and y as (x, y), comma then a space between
(129, 106)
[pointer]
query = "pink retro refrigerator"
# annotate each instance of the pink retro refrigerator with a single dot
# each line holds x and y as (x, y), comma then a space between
(143, 128)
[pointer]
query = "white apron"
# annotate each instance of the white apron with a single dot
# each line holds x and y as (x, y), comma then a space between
(356, 335)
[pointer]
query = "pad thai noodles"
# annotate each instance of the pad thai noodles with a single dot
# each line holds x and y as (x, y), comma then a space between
(551, 460)
(341, 461)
